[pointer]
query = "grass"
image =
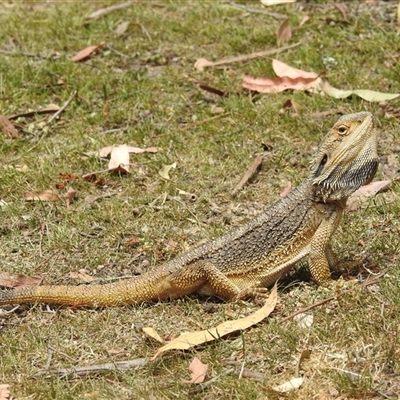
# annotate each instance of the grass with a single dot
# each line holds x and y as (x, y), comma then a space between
(144, 81)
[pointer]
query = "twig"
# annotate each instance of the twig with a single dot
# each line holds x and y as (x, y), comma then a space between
(107, 10)
(328, 299)
(202, 63)
(4, 313)
(95, 369)
(23, 53)
(116, 51)
(114, 130)
(254, 167)
(185, 128)
(145, 31)
(63, 107)
(49, 356)
(256, 11)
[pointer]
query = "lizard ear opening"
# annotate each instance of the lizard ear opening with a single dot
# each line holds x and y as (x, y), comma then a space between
(321, 165)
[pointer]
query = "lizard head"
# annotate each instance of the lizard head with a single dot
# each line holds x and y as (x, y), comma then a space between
(347, 157)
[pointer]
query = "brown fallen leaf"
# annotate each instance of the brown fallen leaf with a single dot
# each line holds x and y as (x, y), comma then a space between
(279, 84)
(82, 275)
(86, 52)
(10, 280)
(119, 159)
(371, 189)
(197, 370)
(69, 196)
(4, 392)
(367, 190)
(44, 195)
(288, 386)
(284, 33)
(286, 190)
(8, 128)
(282, 69)
(251, 171)
(341, 9)
(191, 339)
(51, 108)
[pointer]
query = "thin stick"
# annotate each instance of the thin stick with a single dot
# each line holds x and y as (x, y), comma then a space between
(256, 11)
(185, 128)
(64, 106)
(95, 369)
(254, 167)
(328, 299)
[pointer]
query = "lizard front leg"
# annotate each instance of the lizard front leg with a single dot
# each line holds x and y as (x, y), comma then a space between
(321, 256)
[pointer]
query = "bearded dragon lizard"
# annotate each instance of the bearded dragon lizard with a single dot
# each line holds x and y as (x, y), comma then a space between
(245, 260)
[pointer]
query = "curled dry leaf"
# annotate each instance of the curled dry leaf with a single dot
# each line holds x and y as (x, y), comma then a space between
(368, 95)
(371, 189)
(191, 339)
(282, 69)
(105, 151)
(4, 392)
(151, 333)
(279, 84)
(197, 370)
(86, 52)
(82, 275)
(294, 383)
(18, 280)
(44, 195)
(7, 127)
(71, 193)
(286, 190)
(164, 171)
(122, 28)
(284, 32)
(119, 159)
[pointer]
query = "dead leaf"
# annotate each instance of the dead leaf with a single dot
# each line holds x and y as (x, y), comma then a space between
(368, 95)
(197, 370)
(366, 190)
(10, 280)
(44, 195)
(164, 171)
(294, 383)
(82, 275)
(119, 159)
(304, 20)
(4, 392)
(8, 128)
(86, 52)
(286, 190)
(284, 33)
(275, 85)
(122, 27)
(342, 11)
(282, 69)
(190, 339)
(105, 151)
(69, 196)
(51, 108)
(371, 189)
(151, 333)
(304, 320)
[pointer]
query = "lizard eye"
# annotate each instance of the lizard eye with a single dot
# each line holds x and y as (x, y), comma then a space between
(342, 130)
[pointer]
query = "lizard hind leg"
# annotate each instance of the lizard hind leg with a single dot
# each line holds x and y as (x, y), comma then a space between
(213, 282)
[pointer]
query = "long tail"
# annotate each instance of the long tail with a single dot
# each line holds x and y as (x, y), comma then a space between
(151, 286)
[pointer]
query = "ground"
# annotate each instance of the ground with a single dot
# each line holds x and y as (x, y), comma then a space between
(141, 88)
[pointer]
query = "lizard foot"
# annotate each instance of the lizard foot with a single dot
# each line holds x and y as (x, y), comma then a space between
(256, 293)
